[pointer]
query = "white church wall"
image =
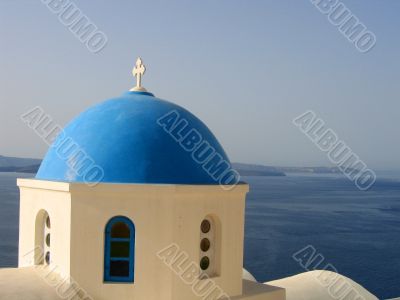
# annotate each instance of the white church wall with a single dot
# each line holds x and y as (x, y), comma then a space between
(190, 211)
(162, 215)
(39, 198)
(151, 213)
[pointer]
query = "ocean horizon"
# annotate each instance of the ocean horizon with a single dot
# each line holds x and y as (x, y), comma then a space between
(287, 214)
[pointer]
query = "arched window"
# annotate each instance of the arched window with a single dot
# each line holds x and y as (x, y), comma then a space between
(119, 254)
(210, 235)
(42, 238)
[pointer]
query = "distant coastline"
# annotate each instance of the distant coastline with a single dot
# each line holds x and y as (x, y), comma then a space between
(26, 169)
(31, 165)
(17, 164)
(256, 170)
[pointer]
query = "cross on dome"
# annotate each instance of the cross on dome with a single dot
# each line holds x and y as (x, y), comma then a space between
(138, 71)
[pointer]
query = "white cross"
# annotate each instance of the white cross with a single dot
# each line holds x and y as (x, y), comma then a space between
(138, 72)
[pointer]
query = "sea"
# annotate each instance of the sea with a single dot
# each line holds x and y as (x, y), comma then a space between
(355, 232)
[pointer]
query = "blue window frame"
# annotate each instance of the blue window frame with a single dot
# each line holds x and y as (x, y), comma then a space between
(119, 254)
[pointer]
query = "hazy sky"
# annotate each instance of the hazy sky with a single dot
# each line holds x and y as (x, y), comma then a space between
(246, 68)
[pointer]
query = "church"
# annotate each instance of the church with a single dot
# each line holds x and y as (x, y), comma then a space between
(137, 200)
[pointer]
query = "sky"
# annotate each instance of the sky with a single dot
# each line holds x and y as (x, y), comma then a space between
(245, 68)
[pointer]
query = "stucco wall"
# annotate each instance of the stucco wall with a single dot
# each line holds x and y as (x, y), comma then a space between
(55, 199)
(162, 214)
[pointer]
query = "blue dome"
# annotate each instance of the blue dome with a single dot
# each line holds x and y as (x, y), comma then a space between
(136, 138)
